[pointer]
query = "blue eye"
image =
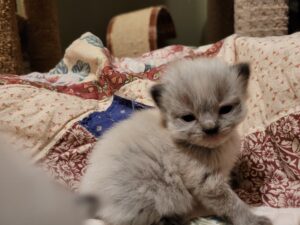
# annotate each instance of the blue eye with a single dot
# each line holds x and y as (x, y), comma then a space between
(225, 109)
(188, 118)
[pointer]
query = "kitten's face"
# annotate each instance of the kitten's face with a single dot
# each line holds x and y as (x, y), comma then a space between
(202, 100)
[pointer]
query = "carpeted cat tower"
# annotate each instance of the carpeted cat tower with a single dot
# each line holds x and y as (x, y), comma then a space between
(261, 17)
(29, 41)
(10, 48)
(134, 33)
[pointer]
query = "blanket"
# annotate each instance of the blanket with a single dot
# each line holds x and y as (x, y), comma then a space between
(57, 116)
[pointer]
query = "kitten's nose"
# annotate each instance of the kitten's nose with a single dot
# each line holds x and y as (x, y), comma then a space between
(211, 131)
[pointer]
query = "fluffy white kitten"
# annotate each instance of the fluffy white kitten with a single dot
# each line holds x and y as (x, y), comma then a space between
(171, 163)
(28, 197)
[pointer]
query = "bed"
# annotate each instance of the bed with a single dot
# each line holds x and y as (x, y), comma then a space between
(57, 116)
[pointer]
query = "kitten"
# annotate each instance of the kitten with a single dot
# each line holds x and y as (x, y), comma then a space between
(168, 164)
(27, 197)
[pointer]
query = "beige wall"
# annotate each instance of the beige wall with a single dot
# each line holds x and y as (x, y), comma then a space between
(78, 16)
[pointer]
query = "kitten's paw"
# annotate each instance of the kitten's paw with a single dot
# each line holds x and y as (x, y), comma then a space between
(261, 220)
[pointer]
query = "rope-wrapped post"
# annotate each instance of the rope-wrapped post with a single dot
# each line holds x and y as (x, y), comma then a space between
(44, 47)
(261, 17)
(134, 33)
(10, 49)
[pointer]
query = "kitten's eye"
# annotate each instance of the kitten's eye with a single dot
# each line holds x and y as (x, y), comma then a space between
(188, 118)
(225, 109)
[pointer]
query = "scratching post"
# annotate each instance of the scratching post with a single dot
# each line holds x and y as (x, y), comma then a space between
(43, 34)
(134, 33)
(261, 17)
(10, 49)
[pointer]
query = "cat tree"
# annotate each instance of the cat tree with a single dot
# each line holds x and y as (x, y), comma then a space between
(38, 26)
(134, 33)
(261, 17)
(10, 49)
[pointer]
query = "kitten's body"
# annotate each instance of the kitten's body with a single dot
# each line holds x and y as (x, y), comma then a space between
(159, 168)
(139, 167)
(28, 197)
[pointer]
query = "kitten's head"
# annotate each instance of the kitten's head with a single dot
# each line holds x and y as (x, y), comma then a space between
(202, 100)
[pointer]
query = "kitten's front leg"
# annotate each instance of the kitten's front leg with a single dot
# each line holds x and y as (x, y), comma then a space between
(215, 194)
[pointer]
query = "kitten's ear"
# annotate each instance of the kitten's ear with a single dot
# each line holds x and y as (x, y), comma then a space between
(156, 94)
(243, 72)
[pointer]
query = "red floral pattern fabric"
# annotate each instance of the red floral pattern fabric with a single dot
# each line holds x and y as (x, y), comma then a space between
(87, 90)
(270, 164)
(270, 153)
(66, 161)
(108, 78)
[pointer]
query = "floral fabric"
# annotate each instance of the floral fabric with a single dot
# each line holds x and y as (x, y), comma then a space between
(270, 164)
(35, 117)
(66, 160)
(59, 115)
(89, 71)
(270, 156)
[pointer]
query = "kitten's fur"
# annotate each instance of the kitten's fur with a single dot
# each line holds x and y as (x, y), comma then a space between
(27, 197)
(157, 168)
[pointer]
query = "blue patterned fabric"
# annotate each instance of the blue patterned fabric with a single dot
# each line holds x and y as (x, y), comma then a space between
(120, 109)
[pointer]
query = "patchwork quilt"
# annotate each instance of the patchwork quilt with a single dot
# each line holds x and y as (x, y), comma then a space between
(58, 116)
